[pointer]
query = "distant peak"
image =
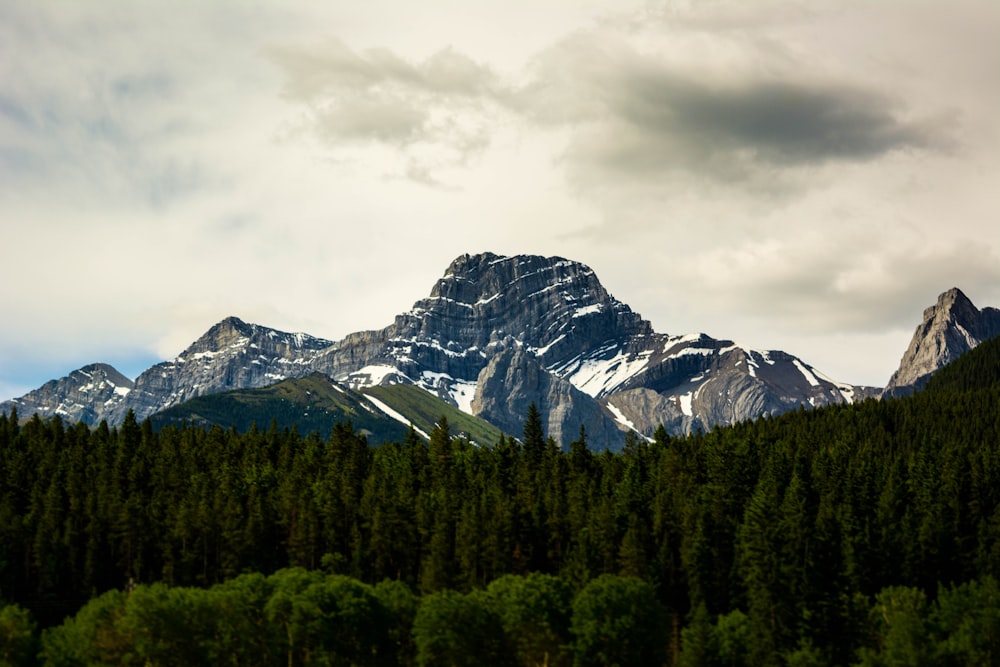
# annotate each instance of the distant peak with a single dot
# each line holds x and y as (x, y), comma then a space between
(953, 297)
(232, 321)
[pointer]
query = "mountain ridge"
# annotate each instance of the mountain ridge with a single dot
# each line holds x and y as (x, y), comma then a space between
(497, 333)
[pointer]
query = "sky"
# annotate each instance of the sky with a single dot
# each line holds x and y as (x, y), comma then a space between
(804, 176)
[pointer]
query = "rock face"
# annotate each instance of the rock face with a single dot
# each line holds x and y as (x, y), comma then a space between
(88, 394)
(514, 379)
(950, 328)
(230, 355)
(499, 333)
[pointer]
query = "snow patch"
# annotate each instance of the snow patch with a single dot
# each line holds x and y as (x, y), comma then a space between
(684, 401)
(806, 373)
(444, 298)
(540, 351)
(687, 351)
(395, 415)
(620, 417)
(461, 391)
(482, 302)
(588, 310)
(598, 377)
(369, 376)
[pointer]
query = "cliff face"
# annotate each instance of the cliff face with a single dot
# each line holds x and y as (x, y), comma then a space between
(514, 379)
(950, 328)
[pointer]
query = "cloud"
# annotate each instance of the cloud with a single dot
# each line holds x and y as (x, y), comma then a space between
(653, 103)
(849, 280)
(640, 115)
(437, 112)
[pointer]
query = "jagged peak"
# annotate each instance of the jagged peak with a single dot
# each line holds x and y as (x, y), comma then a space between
(231, 323)
(112, 374)
(470, 267)
(954, 300)
(473, 280)
(951, 327)
(232, 330)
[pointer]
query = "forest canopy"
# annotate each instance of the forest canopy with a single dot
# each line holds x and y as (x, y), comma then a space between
(863, 534)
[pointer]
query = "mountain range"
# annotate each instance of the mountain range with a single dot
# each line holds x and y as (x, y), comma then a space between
(499, 333)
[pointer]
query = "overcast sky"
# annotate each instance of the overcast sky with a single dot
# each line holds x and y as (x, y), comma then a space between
(804, 176)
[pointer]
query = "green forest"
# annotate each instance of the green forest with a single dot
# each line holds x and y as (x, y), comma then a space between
(865, 534)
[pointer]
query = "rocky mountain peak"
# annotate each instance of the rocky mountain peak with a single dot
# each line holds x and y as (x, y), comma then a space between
(950, 328)
(221, 335)
(232, 354)
(87, 394)
(553, 306)
(953, 305)
(232, 332)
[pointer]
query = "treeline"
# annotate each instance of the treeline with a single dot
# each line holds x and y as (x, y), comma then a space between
(307, 617)
(802, 536)
(298, 617)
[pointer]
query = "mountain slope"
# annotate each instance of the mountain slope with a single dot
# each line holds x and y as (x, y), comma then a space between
(317, 403)
(950, 328)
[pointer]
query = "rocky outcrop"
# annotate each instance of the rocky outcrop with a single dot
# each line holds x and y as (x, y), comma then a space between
(231, 355)
(88, 394)
(514, 379)
(950, 328)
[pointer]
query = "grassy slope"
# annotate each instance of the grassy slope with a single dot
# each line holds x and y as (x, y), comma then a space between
(314, 403)
(425, 409)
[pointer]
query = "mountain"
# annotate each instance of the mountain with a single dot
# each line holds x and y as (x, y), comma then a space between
(231, 355)
(87, 394)
(553, 320)
(949, 329)
(498, 333)
(316, 403)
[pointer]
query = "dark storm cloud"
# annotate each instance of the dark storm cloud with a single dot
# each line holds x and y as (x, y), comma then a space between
(777, 122)
(639, 115)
